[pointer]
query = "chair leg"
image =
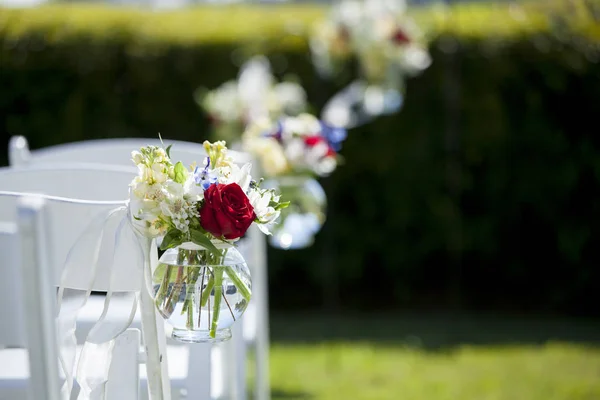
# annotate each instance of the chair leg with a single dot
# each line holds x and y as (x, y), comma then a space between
(261, 300)
(261, 343)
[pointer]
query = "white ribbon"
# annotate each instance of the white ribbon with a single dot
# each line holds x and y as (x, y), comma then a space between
(96, 355)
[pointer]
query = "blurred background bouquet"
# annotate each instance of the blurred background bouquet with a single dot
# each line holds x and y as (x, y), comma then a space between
(255, 94)
(292, 152)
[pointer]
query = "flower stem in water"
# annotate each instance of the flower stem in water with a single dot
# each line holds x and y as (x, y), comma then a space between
(218, 274)
(164, 286)
(239, 284)
(209, 287)
(175, 292)
(201, 296)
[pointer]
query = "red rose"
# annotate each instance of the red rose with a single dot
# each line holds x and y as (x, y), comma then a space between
(313, 140)
(400, 37)
(226, 211)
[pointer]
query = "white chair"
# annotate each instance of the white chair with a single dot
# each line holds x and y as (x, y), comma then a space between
(254, 327)
(26, 295)
(27, 315)
(68, 220)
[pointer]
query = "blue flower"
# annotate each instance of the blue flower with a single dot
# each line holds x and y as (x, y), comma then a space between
(276, 132)
(204, 177)
(334, 135)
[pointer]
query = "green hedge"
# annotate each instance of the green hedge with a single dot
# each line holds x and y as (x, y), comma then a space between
(482, 191)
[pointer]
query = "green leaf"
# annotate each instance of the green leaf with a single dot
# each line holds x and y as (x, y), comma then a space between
(168, 150)
(172, 239)
(201, 239)
(281, 206)
(181, 173)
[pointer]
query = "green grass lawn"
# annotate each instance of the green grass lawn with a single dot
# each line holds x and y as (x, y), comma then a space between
(368, 371)
(511, 360)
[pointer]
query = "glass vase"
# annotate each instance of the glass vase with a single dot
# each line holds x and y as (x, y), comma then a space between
(305, 216)
(201, 294)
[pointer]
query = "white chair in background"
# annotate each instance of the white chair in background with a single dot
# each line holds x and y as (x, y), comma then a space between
(26, 300)
(68, 219)
(27, 295)
(255, 325)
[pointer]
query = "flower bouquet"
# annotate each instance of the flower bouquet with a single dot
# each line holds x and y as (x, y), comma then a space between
(202, 283)
(388, 47)
(292, 151)
(383, 38)
(254, 94)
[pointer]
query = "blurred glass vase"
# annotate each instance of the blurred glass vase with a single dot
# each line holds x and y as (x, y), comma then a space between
(301, 221)
(201, 293)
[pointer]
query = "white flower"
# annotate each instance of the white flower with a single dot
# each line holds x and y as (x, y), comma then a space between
(137, 157)
(265, 214)
(146, 217)
(295, 151)
(145, 173)
(192, 190)
(157, 228)
(415, 59)
(302, 125)
(326, 166)
(290, 97)
(272, 156)
(224, 102)
(317, 152)
(159, 172)
(139, 187)
(176, 207)
(242, 176)
(173, 189)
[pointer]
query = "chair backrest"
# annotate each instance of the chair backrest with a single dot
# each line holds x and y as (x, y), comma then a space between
(69, 219)
(26, 299)
(107, 151)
